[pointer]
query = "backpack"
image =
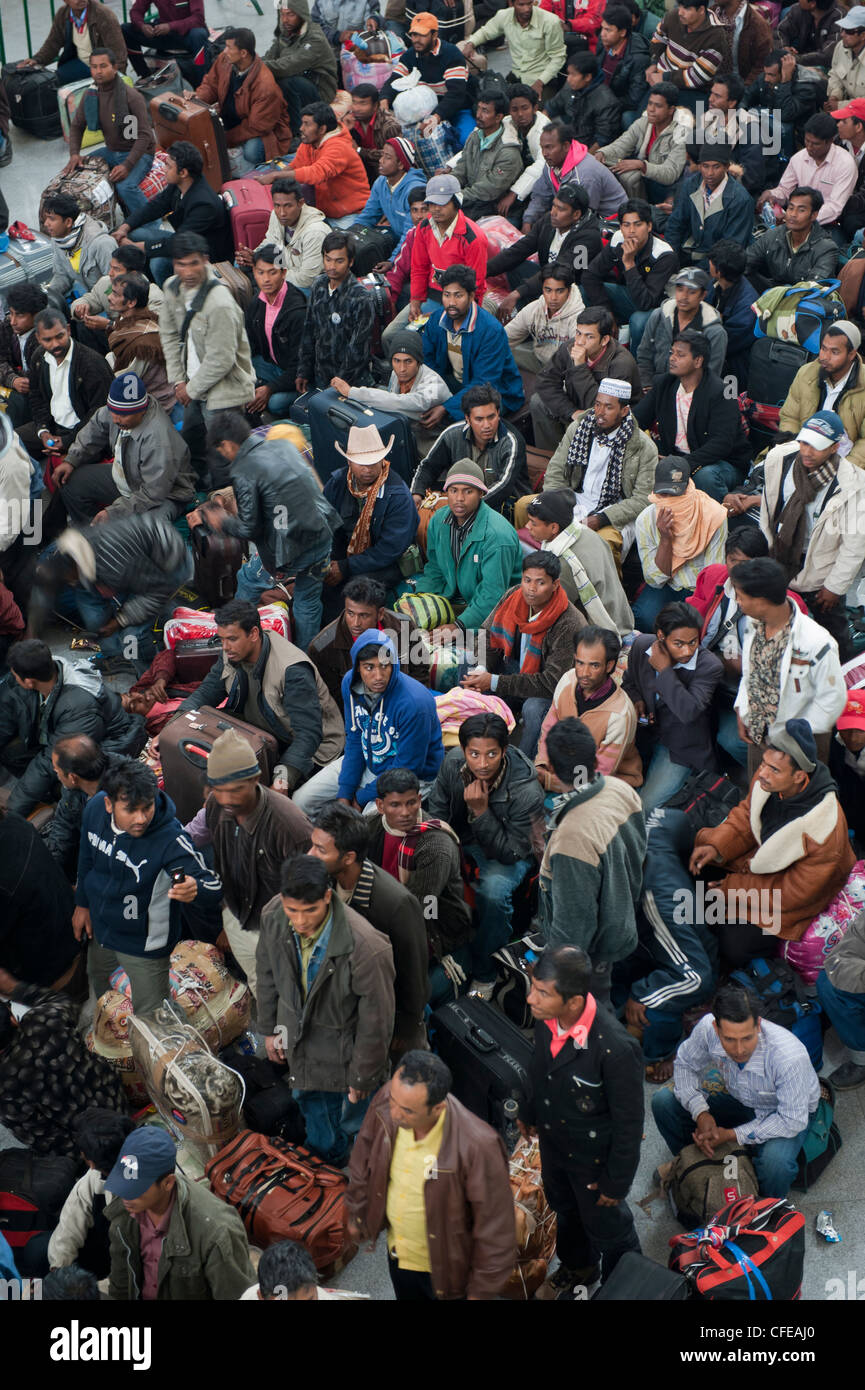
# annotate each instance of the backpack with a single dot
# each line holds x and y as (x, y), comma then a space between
(799, 313)
(707, 798)
(822, 1140)
(784, 1001)
(511, 991)
(751, 1251)
(32, 1193)
(697, 1186)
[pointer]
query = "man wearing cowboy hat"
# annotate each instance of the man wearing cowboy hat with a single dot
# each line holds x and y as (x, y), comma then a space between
(379, 518)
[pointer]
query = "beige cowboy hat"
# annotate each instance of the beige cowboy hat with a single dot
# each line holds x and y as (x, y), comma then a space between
(365, 445)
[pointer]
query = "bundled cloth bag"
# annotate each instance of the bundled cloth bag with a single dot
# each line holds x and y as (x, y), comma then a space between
(212, 1001)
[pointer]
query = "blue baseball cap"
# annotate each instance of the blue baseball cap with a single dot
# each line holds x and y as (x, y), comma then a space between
(148, 1153)
(822, 430)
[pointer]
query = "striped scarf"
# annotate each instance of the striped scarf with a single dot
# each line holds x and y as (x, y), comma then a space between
(590, 600)
(511, 620)
(581, 448)
(410, 841)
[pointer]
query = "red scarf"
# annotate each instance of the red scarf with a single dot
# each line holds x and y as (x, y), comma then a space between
(511, 619)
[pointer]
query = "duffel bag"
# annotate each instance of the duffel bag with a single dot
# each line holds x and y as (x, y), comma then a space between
(32, 1193)
(707, 798)
(697, 1186)
(283, 1192)
(91, 188)
(783, 1000)
(751, 1251)
(32, 94)
(799, 313)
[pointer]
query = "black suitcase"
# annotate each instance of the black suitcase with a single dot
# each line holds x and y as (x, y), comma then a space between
(772, 368)
(32, 94)
(371, 245)
(184, 745)
(488, 1056)
(638, 1279)
(329, 417)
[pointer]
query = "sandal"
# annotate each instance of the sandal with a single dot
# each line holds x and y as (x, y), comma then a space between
(657, 1073)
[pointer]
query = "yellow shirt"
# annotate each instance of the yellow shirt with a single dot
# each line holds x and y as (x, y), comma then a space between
(411, 1167)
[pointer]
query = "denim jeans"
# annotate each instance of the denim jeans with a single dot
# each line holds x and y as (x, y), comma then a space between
(73, 71)
(306, 609)
(649, 603)
(775, 1162)
(128, 190)
(728, 735)
(280, 402)
(160, 267)
(246, 157)
(847, 1013)
(533, 714)
(626, 311)
(663, 779)
(135, 644)
(331, 1122)
(494, 892)
(718, 479)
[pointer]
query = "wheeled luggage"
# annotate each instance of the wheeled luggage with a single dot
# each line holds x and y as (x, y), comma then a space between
(371, 245)
(249, 204)
(32, 94)
(488, 1056)
(184, 746)
(181, 117)
(330, 416)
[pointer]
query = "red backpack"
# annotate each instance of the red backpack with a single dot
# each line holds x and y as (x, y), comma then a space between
(753, 1249)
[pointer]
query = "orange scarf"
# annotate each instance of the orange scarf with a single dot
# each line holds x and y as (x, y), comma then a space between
(360, 535)
(696, 518)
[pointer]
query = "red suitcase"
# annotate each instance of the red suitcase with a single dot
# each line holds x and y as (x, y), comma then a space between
(250, 205)
(186, 741)
(183, 118)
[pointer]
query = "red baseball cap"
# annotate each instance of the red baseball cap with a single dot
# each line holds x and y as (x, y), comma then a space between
(855, 108)
(854, 711)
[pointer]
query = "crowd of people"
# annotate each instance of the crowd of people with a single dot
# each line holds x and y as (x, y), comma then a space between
(555, 587)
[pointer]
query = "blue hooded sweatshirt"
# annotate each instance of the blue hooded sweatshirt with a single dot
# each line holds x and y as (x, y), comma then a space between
(124, 879)
(401, 730)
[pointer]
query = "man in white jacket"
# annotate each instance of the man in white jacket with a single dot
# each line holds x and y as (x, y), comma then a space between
(413, 388)
(525, 122)
(790, 665)
(297, 230)
(542, 325)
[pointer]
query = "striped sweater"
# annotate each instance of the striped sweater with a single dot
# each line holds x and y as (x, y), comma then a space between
(690, 58)
(444, 69)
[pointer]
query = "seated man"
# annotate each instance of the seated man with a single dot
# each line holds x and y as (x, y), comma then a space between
(489, 795)
(123, 574)
(77, 29)
(272, 684)
(473, 554)
(122, 116)
(610, 465)
(630, 275)
(797, 250)
(378, 518)
(848, 764)
(686, 309)
(68, 384)
(92, 311)
(600, 599)
(489, 161)
(340, 839)
(82, 248)
(274, 326)
(413, 388)
(489, 441)
(531, 638)
(593, 856)
(709, 206)
(847, 69)
(187, 203)
(150, 466)
(301, 59)
(696, 417)
(364, 608)
(297, 230)
(587, 103)
(424, 854)
(390, 721)
(46, 700)
(398, 177)
(340, 317)
(573, 378)
(822, 165)
(588, 692)
(135, 345)
(570, 233)
(733, 295)
(466, 345)
(624, 56)
(372, 128)
(441, 66)
(836, 382)
(728, 122)
(749, 35)
(18, 344)
(687, 49)
(672, 681)
(535, 43)
(811, 514)
(180, 25)
(526, 122)
(251, 106)
(649, 157)
(770, 1090)
(680, 532)
(328, 162)
(567, 160)
(782, 89)
(808, 30)
(547, 323)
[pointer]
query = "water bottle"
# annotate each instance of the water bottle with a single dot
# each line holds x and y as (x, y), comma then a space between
(511, 1134)
(247, 1044)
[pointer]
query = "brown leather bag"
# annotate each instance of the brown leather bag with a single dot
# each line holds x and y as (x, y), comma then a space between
(426, 510)
(283, 1192)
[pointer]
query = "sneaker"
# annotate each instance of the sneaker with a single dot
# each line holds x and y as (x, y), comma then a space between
(848, 1075)
(481, 989)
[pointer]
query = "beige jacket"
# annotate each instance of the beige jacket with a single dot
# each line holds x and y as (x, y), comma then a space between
(224, 377)
(545, 333)
(76, 1219)
(846, 75)
(303, 250)
(667, 158)
(836, 548)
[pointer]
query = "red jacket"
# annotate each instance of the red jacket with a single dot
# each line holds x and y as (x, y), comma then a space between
(710, 588)
(467, 246)
(335, 170)
(260, 105)
(579, 16)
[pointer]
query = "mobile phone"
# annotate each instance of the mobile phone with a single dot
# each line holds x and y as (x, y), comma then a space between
(177, 876)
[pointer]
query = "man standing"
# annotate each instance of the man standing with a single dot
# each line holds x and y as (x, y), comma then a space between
(325, 1002)
(122, 115)
(128, 893)
(337, 330)
(436, 1178)
(584, 1100)
(252, 830)
(205, 343)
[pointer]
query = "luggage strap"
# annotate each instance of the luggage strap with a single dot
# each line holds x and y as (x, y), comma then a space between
(200, 295)
(746, 1265)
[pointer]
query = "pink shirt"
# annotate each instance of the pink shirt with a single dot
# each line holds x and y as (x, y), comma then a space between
(579, 1031)
(151, 1235)
(271, 313)
(835, 178)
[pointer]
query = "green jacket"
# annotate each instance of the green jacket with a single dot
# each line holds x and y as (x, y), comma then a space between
(304, 54)
(485, 175)
(205, 1254)
(490, 562)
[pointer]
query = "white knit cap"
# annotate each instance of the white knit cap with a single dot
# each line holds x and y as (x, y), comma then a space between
(615, 386)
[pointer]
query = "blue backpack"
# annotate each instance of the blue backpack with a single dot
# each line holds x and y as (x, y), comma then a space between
(799, 313)
(783, 1001)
